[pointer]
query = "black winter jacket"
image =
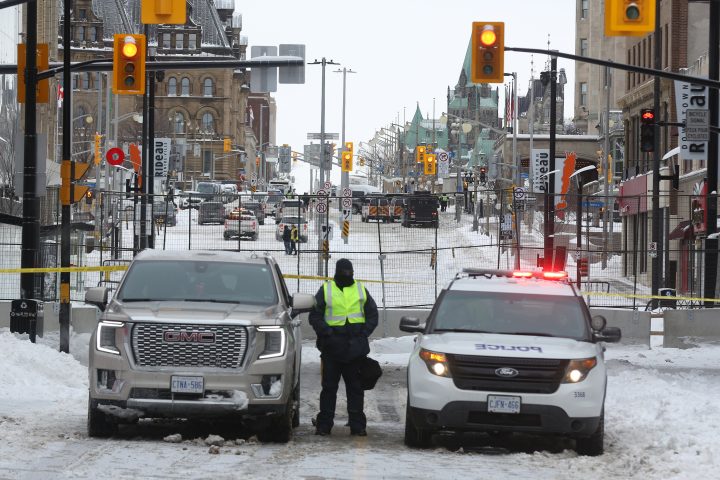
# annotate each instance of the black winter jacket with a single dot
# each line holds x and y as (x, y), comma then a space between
(348, 342)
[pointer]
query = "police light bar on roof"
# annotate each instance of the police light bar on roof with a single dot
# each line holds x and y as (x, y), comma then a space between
(491, 272)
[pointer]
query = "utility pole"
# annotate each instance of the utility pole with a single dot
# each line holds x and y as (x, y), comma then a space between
(549, 246)
(146, 148)
(606, 166)
(656, 233)
(711, 244)
(318, 220)
(344, 176)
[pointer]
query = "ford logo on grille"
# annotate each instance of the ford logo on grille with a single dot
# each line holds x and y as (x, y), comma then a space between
(506, 372)
(184, 336)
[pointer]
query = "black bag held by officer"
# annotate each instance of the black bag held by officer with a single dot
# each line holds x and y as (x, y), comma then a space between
(344, 317)
(370, 373)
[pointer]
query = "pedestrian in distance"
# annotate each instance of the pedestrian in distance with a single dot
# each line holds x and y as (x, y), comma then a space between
(343, 318)
(294, 237)
(286, 239)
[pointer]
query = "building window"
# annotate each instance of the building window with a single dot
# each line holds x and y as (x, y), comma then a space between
(583, 47)
(92, 34)
(80, 33)
(179, 123)
(583, 93)
(208, 87)
(666, 44)
(208, 122)
(584, 8)
(172, 87)
(179, 43)
(85, 81)
(82, 14)
(166, 40)
(207, 162)
(191, 41)
(75, 82)
(185, 87)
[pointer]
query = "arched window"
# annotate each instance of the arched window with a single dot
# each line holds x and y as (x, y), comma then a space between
(185, 87)
(179, 123)
(172, 86)
(208, 122)
(208, 87)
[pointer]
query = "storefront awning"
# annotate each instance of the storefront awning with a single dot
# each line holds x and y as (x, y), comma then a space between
(684, 230)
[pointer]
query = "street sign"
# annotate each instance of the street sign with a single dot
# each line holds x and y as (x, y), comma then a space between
(115, 156)
(265, 78)
(347, 192)
(327, 186)
(322, 193)
(261, 181)
(594, 204)
(347, 202)
(346, 214)
(328, 136)
(697, 123)
(519, 193)
(443, 156)
(321, 207)
(652, 249)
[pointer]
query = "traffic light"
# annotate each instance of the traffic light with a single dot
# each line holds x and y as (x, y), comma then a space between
(430, 162)
(166, 12)
(488, 52)
(361, 160)
(349, 147)
(227, 145)
(483, 175)
(347, 161)
(257, 162)
(629, 17)
(98, 156)
(420, 153)
(583, 267)
(294, 156)
(129, 64)
(89, 197)
(71, 171)
(647, 130)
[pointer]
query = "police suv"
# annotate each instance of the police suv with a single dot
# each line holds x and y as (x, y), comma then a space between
(508, 352)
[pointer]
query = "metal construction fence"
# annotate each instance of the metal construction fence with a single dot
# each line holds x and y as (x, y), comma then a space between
(403, 266)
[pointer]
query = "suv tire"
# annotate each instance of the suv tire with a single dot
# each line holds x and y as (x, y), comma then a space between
(296, 406)
(592, 446)
(278, 429)
(99, 425)
(415, 437)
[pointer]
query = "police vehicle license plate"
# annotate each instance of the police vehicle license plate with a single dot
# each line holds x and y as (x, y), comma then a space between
(503, 404)
(186, 384)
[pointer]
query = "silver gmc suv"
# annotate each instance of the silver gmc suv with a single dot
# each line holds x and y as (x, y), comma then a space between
(197, 334)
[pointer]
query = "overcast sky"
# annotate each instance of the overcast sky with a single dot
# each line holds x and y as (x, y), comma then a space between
(404, 52)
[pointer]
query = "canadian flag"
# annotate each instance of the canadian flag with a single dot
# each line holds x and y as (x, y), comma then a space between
(60, 96)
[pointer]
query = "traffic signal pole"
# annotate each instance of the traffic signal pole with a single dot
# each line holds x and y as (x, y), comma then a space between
(656, 233)
(711, 244)
(549, 227)
(31, 202)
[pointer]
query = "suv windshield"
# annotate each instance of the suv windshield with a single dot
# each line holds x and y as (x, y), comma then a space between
(510, 313)
(206, 188)
(198, 281)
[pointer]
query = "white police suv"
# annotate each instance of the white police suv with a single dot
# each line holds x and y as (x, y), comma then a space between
(508, 352)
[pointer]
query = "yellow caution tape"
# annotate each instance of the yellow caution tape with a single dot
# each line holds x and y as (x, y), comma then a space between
(108, 268)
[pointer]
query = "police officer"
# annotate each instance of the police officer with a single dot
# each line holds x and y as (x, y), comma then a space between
(344, 317)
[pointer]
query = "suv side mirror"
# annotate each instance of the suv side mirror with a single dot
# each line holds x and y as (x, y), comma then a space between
(608, 334)
(411, 325)
(97, 296)
(302, 302)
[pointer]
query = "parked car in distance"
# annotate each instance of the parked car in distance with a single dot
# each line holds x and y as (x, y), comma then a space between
(397, 203)
(274, 197)
(211, 212)
(421, 208)
(241, 223)
(164, 212)
(300, 222)
(376, 208)
(209, 191)
(290, 208)
(257, 207)
(358, 194)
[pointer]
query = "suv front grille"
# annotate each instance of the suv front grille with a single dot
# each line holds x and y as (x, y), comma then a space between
(535, 375)
(151, 349)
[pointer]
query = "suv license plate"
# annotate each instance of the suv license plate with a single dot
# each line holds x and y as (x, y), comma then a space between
(186, 384)
(503, 404)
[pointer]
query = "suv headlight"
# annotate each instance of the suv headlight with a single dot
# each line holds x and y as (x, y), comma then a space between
(105, 339)
(436, 362)
(274, 342)
(577, 370)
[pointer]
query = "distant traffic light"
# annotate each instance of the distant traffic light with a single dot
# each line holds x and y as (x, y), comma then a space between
(647, 130)
(420, 154)
(129, 64)
(488, 52)
(347, 161)
(97, 156)
(629, 17)
(227, 145)
(89, 197)
(430, 163)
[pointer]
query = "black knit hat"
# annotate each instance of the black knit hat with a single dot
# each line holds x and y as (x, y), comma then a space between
(344, 265)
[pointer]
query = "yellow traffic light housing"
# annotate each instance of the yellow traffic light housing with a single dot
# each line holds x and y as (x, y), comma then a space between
(349, 146)
(167, 12)
(69, 172)
(488, 52)
(629, 17)
(129, 64)
(347, 161)
(98, 156)
(420, 153)
(361, 160)
(430, 162)
(227, 145)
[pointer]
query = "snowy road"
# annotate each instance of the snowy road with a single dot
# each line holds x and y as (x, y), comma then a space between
(660, 423)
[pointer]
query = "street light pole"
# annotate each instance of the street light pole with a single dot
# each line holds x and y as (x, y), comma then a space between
(344, 176)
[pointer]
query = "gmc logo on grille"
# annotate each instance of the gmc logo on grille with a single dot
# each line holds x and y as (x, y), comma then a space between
(183, 336)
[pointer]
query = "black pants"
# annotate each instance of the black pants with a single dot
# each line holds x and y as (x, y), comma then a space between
(332, 370)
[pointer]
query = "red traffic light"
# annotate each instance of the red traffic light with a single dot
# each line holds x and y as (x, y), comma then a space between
(647, 115)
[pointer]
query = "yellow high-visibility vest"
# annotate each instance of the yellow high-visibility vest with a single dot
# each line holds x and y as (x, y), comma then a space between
(344, 305)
